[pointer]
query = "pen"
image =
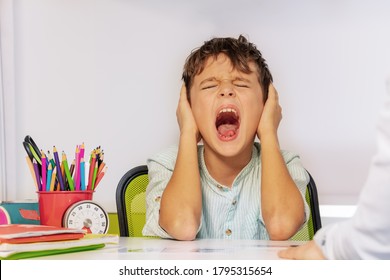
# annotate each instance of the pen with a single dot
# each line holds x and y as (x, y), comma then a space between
(34, 154)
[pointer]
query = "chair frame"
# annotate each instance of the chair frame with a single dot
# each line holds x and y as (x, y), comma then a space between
(120, 196)
(314, 204)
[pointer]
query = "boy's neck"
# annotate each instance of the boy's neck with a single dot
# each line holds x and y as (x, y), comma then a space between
(225, 169)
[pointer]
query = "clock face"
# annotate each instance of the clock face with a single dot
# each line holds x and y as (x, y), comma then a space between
(87, 215)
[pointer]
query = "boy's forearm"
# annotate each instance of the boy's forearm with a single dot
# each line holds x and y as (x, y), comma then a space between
(281, 202)
(181, 203)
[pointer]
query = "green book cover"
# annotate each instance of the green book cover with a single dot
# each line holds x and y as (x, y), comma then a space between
(34, 254)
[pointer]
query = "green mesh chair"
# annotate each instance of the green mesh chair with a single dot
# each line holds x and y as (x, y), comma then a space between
(131, 206)
(314, 223)
(130, 201)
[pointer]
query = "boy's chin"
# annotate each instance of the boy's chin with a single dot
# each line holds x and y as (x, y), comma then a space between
(232, 148)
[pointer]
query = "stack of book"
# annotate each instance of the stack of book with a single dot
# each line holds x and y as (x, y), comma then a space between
(19, 241)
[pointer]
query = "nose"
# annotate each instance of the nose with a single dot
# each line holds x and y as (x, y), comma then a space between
(227, 90)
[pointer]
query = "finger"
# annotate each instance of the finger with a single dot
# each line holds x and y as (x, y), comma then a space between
(272, 91)
(181, 98)
(286, 253)
(183, 92)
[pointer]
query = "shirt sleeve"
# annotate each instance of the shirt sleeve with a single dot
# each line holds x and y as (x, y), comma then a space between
(160, 169)
(300, 177)
(367, 234)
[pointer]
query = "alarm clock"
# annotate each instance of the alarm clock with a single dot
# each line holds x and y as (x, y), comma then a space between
(88, 215)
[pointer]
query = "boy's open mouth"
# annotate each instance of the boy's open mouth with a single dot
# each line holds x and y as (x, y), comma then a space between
(227, 124)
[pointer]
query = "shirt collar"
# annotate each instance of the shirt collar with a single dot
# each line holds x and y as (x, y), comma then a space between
(251, 164)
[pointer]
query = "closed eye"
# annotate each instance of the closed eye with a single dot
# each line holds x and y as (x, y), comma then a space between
(242, 85)
(209, 86)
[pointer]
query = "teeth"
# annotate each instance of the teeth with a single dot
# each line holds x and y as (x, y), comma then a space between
(228, 110)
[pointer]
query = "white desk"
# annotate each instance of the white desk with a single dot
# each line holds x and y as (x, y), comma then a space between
(133, 248)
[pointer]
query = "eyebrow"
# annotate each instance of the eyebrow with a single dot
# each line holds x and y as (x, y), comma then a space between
(241, 80)
(211, 79)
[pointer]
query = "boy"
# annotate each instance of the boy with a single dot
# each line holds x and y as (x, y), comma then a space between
(229, 187)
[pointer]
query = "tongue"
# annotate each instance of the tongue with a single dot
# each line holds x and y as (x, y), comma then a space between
(227, 130)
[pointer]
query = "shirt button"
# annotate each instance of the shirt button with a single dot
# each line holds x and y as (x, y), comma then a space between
(157, 199)
(228, 232)
(219, 187)
(234, 202)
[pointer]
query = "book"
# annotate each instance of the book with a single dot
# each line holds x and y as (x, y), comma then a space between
(25, 233)
(9, 251)
(27, 240)
(19, 212)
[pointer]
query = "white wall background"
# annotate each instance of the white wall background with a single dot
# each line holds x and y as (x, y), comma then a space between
(108, 73)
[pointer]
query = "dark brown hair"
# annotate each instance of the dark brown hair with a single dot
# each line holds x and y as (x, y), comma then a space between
(240, 52)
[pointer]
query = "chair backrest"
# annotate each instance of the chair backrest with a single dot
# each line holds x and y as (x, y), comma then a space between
(131, 205)
(130, 201)
(307, 232)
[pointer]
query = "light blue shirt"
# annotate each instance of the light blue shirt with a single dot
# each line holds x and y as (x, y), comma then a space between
(227, 213)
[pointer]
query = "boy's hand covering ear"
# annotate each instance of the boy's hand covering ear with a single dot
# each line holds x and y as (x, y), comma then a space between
(271, 115)
(184, 115)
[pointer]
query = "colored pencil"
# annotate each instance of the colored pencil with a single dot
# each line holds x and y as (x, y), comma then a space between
(77, 170)
(82, 150)
(91, 169)
(48, 179)
(100, 176)
(94, 175)
(32, 171)
(44, 170)
(53, 178)
(71, 169)
(59, 175)
(51, 174)
(67, 172)
(100, 156)
(101, 166)
(63, 176)
(82, 174)
(51, 159)
(37, 175)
